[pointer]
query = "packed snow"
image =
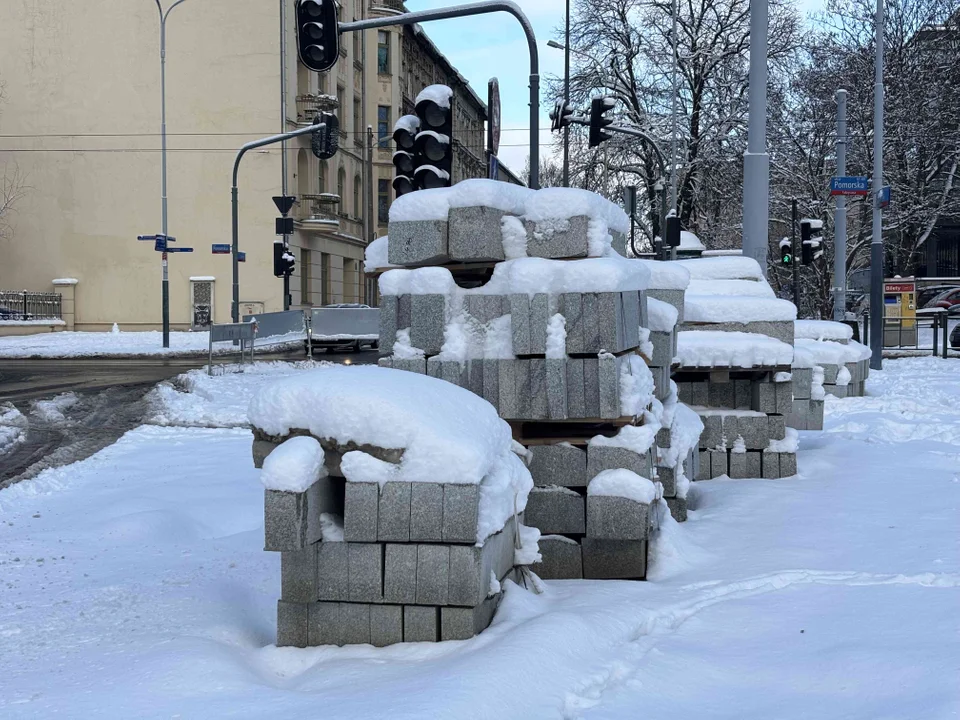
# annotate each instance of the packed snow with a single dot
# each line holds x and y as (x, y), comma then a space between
(439, 94)
(832, 353)
(661, 316)
(667, 275)
(731, 308)
(638, 438)
(636, 386)
(294, 465)
(623, 483)
(13, 427)
(136, 585)
(822, 330)
(743, 288)
(689, 241)
(375, 255)
(723, 268)
(712, 348)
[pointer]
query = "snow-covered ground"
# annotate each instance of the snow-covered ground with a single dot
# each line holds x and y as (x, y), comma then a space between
(124, 344)
(134, 584)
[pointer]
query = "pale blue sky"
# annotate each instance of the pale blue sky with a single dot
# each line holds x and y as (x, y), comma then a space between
(493, 45)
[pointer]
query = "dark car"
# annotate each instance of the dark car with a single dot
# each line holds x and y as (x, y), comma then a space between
(927, 295)
(955, 338)
(8, 314)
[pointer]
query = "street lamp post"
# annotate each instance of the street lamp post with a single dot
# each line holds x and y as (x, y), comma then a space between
(163, 162)
(566, 98)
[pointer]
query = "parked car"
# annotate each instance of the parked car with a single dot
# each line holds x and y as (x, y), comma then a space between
(347, 305)
(947, 300)
(955, 338)
(927, 295)
(8, 314)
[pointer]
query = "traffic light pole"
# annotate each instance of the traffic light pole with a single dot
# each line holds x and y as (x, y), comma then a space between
(840, 217)
(479, 8)
(876, 243)
(234, 194)
(794, 255)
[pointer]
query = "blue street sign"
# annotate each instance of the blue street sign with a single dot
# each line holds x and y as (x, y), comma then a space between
(241, 257)
(853, 185)
(160, 243)
(221, 248)
(179, 249)
(147, 237)
(883, 197)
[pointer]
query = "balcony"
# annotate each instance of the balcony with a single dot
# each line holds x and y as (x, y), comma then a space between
(309, 106)
(395, 6)
(320, 213)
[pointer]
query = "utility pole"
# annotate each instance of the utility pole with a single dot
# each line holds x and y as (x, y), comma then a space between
(794, 254)
(876, 244)
(283, 129)
(840, 218)
(756, 161)
(566, 99)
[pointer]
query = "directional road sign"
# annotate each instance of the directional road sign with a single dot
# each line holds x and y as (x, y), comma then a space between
(852, 185)
(221, 248)
(179, 249)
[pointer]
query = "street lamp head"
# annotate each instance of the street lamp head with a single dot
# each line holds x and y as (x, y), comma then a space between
(555, 45)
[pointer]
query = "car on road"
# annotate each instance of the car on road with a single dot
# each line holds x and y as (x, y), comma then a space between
(955, 338)
(927, 295)
(949, 300)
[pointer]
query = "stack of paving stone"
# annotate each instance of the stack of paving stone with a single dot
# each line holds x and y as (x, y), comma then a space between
(368, 561)
(808, 393)
(736, 349)
(558, 357)
(845, 362)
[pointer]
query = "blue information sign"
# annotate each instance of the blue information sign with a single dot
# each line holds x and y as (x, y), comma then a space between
(241, 257)
(221, 248)
(179, 249)
(883, 197)
(853, 185)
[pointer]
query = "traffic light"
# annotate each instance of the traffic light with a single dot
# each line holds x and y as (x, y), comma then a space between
(404, 159)
(318, 36)
(560, 115)
(283, 260)
(598, 106)
(433, 145)
(786, 252)
(325, 142)
(811, 247)
(673, 230)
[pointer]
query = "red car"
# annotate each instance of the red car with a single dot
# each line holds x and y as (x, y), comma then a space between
(949, 300)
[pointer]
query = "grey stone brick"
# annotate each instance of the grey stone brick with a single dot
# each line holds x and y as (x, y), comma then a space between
(521, 370)
(770, 467)
(556, 390)
(458, 623)
(712, 434)
(461, 507)
(453, 372)
(385, 362)
(616, 518)
(509, 404)
(667, 476)
(699, 393)
(292, 621)
(388, 323)
(671, 297)
(839, 391)
(662, 349)
(802, 382)
(576, 402)
(764, 397)
(365, 572)
(571, 305)
(738, 465)
(403, 312)
(631, 311)
(755, 431)
(386, 625)
(799, 414)
(520, 323)
(333, 575)
(361, 502)
(703, 466)
(472, 567)
(561, 558)
(788, 464)
(730, 429)
(783, 393)
(618, 241)
(685, 392)
(475, 234)
(678, 508)
(609, 385)
(590, 314)
(427, 322)
(742, 394)
(609, 322)
(421, 623)
(815, 421)
(568, 240)
(434, 367)
(394, 514)
(287, 524)
(261, 448)
(614, 559)
(400, 573)
(415, 365)
(591, 387)
(830, 373)
(562, 465)
(323, 624)
(491, 382)
(661, 382)
(433, 574)
(555, 510)
(720, 395)
(426, 512)
(418, 242)
(298, 574)
(663, 437)
(610, 457)
(354, 623)
(539, 317)
(754, 465)
(538, 403)
(474, 375)
(777, 427)
(718, 463)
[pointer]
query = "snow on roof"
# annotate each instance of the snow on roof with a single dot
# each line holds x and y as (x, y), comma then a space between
(202, 278)
(689, 241)
(295, 465)
(832, 353)
(709, 348)
(743, 288)
(661, 316)
(723, 268)
(526, 275)
(822, 330)
(375, 255)
(65, 281)
(733, 308)
(623, 483)
(439, 94)
(667, 275)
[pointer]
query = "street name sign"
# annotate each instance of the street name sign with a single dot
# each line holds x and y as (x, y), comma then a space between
(852, 185)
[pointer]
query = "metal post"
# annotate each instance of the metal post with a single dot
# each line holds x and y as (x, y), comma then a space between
(566, 99)
(480, 8)
(370, 189)
(840, 218)
(235, 215)
(794, 255)
(756, 161)
(673, 131)
(283, 128)
(876, 244)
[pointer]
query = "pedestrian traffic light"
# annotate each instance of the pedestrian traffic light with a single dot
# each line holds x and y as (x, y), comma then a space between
(673, 230)
(811, 247)
(283, 260)
(786, 252)
(433, 145)
(598, 106)
(560, 115)
(404, 159)
(318, 36)
(325, 142)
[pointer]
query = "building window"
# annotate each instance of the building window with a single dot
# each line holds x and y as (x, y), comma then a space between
(383, 52)
(322, 177)
(383, 126)
(305, 298)
(321, 83)
(341, 105)
(383, 201)
(357, 48)
(324, 279)
(357, 123)
(341, 183)
(357, 184)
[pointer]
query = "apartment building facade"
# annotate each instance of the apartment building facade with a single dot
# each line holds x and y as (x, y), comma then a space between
(80, 122)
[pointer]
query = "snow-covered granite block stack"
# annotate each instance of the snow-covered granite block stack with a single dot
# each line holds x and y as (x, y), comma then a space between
(529, 304)
(396, 503)
(845, 362)
(735, 353)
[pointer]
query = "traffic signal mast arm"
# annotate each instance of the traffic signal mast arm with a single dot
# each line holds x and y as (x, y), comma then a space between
(632, 132)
